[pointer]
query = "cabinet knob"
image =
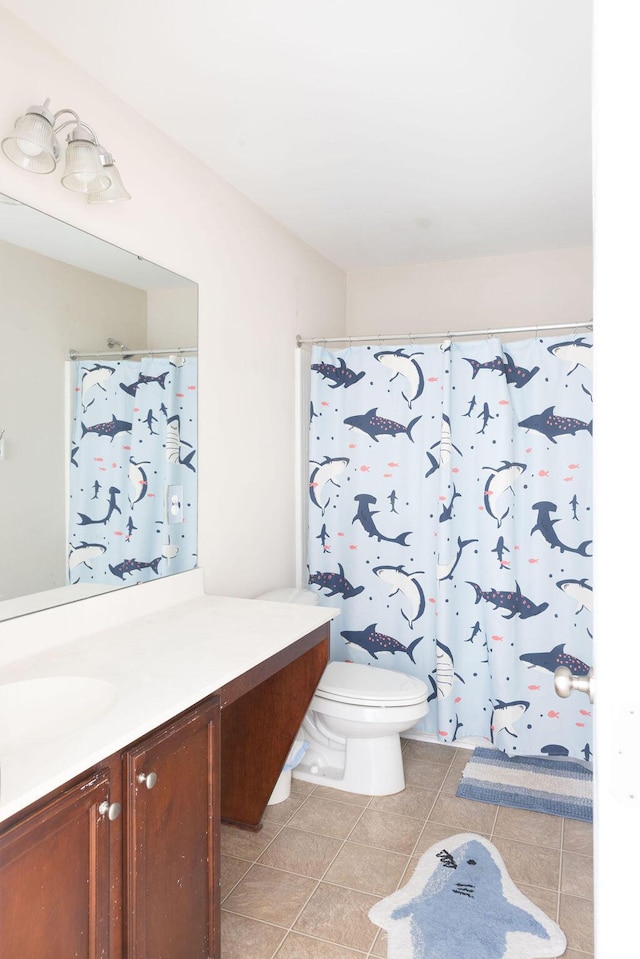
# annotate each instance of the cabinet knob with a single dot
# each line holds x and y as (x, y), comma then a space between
(112, 810)
(149, 779)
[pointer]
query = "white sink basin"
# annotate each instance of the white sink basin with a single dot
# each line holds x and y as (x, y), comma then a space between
(39, 711)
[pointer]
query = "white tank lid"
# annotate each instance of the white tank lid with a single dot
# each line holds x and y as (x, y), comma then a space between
(357, 683)
(288, 594)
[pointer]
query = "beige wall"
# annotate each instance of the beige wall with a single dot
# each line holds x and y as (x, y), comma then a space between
(501, 291)
(172, 318)
(258, 287)
(46, 308)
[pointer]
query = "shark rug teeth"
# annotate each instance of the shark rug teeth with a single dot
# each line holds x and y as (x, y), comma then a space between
(461, 902)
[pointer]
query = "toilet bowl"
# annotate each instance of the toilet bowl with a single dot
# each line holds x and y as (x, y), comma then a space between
(353, 728)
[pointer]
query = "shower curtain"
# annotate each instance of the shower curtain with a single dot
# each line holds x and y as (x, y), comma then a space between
(450, 516)
(132, 487)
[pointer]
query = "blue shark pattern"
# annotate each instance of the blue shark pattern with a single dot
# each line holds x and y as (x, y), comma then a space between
(553, 749)
(445, 674)
(112, 428)
(460, 522)
(404, 365)
(111, 509)
(461, 901)
(500, 480)
(446, 570)
(365, 517)
(131, 566)
(544, 524)
(554, 658)
(579, 590)
(375, 642)
(375, 426)
(335, 584)
(93, 378)
(325, 472)
(447, 511)
(505, 715)
(574, 352)
(340, 375)
(500, 549)
(406, 583)
(143, 380)
(126, 455)
(551, 425)
(84, 553)
(511, 600)
(323, 536)
(514, 375)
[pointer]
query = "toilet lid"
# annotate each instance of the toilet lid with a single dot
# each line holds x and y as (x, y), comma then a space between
(370, 685)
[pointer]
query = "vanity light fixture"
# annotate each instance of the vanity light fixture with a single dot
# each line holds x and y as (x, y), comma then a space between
(89, 168)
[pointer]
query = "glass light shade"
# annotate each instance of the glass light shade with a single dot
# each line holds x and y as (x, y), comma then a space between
(113, 193)
(31, 145)
(84, 172)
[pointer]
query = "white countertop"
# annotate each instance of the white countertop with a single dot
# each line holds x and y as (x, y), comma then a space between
(161, 664)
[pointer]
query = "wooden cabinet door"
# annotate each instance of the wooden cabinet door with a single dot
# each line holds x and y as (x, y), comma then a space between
(171, 817)
(54, 878)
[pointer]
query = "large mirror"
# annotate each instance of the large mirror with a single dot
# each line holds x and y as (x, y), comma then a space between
(98, 428)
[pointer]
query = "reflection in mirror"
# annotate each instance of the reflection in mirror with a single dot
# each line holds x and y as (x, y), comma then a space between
(98, 456)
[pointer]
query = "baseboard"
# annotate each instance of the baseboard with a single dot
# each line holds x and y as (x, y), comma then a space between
(422, 737)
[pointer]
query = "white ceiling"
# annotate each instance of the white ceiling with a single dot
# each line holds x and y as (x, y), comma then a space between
(381, 132)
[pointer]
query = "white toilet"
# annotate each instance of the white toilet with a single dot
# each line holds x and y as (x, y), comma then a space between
(353, 728)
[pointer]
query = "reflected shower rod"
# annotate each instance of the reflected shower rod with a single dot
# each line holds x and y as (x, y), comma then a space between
(125, 351)
(448, 335)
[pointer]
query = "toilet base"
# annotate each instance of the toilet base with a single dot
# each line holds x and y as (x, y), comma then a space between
(372, 767)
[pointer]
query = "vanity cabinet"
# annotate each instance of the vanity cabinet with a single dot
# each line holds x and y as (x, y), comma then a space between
(123, 861)
(55, 877)
(141, 884)
(171, 827)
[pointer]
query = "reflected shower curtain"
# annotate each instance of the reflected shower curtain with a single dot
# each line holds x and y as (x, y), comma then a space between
(132, 514)
(450, 519)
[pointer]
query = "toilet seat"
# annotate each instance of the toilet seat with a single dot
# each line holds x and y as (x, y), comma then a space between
(369, 686)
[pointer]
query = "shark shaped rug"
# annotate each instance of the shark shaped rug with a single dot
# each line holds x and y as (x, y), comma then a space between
(461, 902)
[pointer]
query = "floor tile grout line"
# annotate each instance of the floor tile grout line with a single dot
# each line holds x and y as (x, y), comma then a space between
(424, 820)
(319, 881)
(340, 885)
(560, 872)
(254, 861)
(305, 935)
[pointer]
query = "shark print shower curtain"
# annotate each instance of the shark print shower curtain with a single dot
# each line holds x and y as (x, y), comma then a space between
(450, 518)
(132, 508)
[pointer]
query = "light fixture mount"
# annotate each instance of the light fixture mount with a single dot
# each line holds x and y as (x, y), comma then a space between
(89, 168)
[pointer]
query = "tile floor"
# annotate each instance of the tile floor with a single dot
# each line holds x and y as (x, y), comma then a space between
(301, 888)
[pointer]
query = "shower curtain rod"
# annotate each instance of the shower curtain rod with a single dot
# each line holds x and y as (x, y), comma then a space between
(450, 334)
(74, 355)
